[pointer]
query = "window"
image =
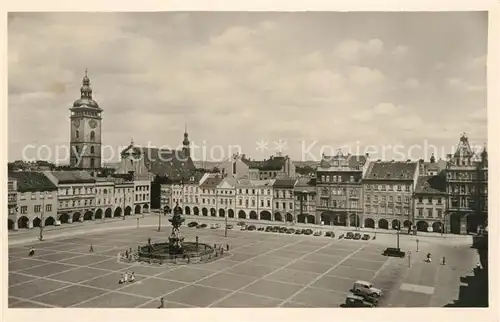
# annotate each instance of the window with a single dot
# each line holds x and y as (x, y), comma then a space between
(420, 199)
(92, 136)
(399, 188)
(284, 206)
(391, 198)
(37, 208)
(77, 135)
(33, 195)
(24, 209)
(269, 203)
(439, 213)
(262, 203)
(429, 212)
(375, 198)
(253, 202)
(246, 191)
(382, 187)
(389, 211)
(420, 212)
(407, 199)
(253, 191)
(240, 202)
(429, 200)
(398, 210)
(277, 205)
(203, 200)
(290, 206)
(351, 178)
(368, 209)
(368, 199)
(389, 187)
(399, 198)
(368, 187)
(383, 199)
(407, 188)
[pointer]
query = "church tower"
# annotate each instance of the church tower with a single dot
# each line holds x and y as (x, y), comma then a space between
(185, 144)
(85, 135)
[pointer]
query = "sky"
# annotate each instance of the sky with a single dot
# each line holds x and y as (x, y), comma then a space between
(394, 85)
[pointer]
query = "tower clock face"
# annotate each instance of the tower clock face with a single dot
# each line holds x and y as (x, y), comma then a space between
(76, 123)
(93, 124)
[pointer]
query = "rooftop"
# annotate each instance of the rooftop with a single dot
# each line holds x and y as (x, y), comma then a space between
(284, 183)
(431, 185)
(32, 181)
(274, 163)
(211, 182)
(393, 170)
(77, 176)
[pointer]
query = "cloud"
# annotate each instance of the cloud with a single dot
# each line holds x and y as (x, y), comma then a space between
(232, 78)
(462, 85)
(353, 50)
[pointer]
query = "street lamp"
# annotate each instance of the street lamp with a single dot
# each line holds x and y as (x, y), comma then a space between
(225, 222)
(397, 234)
(159, 221)
(42, 219)
(409, 259)
(417, 245)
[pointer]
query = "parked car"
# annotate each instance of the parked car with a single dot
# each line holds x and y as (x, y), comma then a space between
(357, 236)
(283, 230)
(328, 234)
(349, 235)
(260, 228)
(240, 223)
(366, 288)
(214, 226)
(251, 227)
(394, 252)
(269, 228)
(202, 226)
(244, 227)
(298, 232)
(353, 300)
(365, 237)
(290, 231)
(229, 226)
(317, 233)
(308, 232)
(276, 229)
(193, 224)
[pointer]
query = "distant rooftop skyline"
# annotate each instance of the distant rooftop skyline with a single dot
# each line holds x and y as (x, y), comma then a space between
(245, 79)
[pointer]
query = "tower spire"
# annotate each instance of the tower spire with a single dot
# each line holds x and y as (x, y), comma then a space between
(86, 90)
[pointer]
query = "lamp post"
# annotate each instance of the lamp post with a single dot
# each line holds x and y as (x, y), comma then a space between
(42, 217)
(225, 222)
(124, 203)
(397, 234)
(409, 259)
(159, 221)
(417, 245)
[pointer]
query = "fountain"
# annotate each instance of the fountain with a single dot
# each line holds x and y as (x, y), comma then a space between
(177, 250)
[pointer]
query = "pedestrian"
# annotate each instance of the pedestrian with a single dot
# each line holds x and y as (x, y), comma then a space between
(91, 249)
(429, 258)
(126, 253)
(125, 277)
(162, 304)
(31, 252)
(444, 260)
(130, 250)
(132, 277)
(227, 247)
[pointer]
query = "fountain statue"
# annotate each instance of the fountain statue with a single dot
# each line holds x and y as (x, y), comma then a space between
(176, 240)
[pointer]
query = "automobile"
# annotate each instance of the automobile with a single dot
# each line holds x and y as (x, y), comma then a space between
(304, 231)
(260, 228)
(283, 230)
(317, 233)
(269, 228)
(349, 235)
(229, 226)
(394, 252)
(276, 229)
(365, 237)
(214, 226)
(298, 232)
(353, 300)
(251, 227)
(357, 236)
(193, 224)
(330, 234)
(244, 227)
(290, 231)
(365, 289)
(201, 226)
(308, 232)
(240, 223)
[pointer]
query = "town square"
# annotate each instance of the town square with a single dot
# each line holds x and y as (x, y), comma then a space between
(164, 160)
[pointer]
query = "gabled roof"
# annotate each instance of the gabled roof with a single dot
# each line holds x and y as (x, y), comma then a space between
(211, 183)
(463, 148)
(228, 182)
(274, 163)
(345, 161)
(284, 183)
(305, 184)
(171, 163)
(247, 183)
(431, 185)
(32, 181)
(77, 176)
(397, 170)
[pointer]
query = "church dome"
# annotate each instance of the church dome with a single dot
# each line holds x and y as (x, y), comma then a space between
(85, 101)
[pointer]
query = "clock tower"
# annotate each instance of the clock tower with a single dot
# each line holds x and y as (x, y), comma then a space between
(85, 136)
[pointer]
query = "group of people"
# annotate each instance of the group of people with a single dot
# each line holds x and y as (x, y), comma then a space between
(127, 278)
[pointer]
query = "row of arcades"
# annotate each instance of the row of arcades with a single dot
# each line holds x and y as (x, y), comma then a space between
(29, 221)
(242, 214)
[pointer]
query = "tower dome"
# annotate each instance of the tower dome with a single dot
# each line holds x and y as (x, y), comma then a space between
(85, 94)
